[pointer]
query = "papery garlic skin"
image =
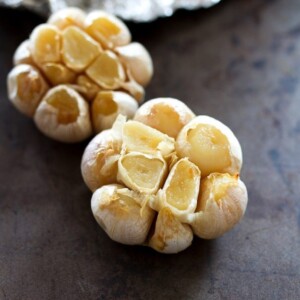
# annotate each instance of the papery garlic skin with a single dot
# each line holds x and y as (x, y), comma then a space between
(23, 55)
(26, 88)
(138, 60)
(119, 212)
(65, 127)
(218, 211)
(170, 235)
(99, 164)
(214, 148)
(167, 115)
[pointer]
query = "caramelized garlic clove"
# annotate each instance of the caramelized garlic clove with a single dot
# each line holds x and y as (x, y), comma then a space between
(107, 29)
(170, 236)
(119, 212)
(64, 115)
(138, 60)
(26, 88)
(58, 74)
(45, 44)
(108, 105)
(210, 145)
(107, 71)
(181, 189)
(71, 16)
(142, 138)
(222, 203)
(141, 172)
(23, 55)
(79, 50)
(167, 115)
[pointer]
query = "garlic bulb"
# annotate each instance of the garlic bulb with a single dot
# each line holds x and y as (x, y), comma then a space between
(91, 54)
(191, 185)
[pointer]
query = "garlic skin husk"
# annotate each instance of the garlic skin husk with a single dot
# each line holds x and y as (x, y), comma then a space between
(46, 118)
(71, 16)
(138, 60)
(185, 178)
(185, 149)
(121, 37)
(167, 115)
(22, 55)
(121, 215)
(219, 211)
(26, 88)
(127, 177)
(99, 164)
(123, 104)
(170, 235)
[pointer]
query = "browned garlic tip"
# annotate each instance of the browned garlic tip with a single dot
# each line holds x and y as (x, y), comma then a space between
(189, 180)
(92, 55)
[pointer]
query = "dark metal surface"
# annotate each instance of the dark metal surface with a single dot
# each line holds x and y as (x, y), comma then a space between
(238, 62)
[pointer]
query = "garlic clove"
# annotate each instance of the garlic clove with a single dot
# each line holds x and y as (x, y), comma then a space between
(79, 49)
(181, 189)
(45, 44)
(64, 115)
(99, 165)
(210, 145)
(119, 212)
(222, 203)
(23, 55)
(71, 16)
(142, 138)
(26, 88)
(170, 236)
(167, 115)
(108, 105)
(138, 60)
(107, 29)
(107, 71)
(58, 74)
(142, 172)
(88, 88)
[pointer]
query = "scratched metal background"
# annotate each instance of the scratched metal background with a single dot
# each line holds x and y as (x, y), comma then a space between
(238, 62)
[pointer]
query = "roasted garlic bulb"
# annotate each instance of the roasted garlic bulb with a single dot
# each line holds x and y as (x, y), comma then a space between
(77, 73)
(165, 176)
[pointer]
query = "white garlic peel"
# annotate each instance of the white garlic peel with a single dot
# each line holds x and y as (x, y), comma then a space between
(186, 186)
(170, 235)
(84, 52)
(26, 88)
(219, 211)
(63, 115)
(138, 60)
(119, 212)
